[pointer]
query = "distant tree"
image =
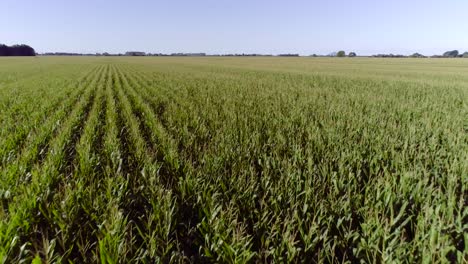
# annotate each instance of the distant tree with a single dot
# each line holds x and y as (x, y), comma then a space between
(417, 55)
(451, 54)
(389, 56)
(22, 50)
(17, 50)
(285, 55)
(4, 49)
(135, 53)
(352, 54)
(341, 53)
(465, 55)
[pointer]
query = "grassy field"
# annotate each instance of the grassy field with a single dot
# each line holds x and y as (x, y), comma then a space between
(233, 160)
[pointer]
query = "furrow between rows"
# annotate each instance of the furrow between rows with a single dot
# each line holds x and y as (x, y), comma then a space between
(21, 121)
(191, 231)
(27, 209)
(71, 212)
(18, 172)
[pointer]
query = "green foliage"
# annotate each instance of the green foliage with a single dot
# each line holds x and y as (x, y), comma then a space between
(37, 260)
(341, 53)
(208, 160)
(451, 54)
(417, 55)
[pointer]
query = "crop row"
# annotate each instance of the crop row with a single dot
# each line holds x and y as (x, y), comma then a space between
(130, 162)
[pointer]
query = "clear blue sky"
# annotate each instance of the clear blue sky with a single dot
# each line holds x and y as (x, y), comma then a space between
(250, 26)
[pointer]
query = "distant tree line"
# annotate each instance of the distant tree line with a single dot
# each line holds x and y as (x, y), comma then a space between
(241, 55)
(288, 55)
(66, 54)
(135, 53)
(447, 54)
(391, 55)
(141, 53)
(16, 50)
(341, 53)
(79, 54)
(455, 54)
(201, 54)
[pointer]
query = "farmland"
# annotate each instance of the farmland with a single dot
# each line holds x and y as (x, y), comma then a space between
(120, 160)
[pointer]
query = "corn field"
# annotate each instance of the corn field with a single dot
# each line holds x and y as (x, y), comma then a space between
(233, 160)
